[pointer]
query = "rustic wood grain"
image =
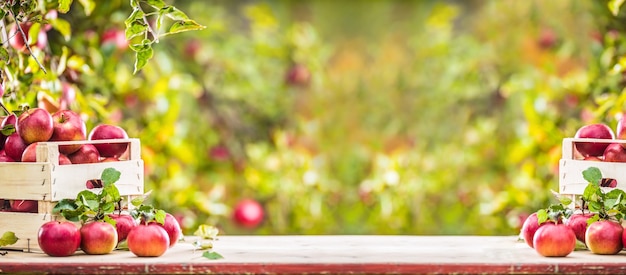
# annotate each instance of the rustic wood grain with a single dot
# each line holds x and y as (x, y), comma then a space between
(331, 255)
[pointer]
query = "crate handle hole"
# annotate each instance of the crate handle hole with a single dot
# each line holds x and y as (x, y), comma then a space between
(94, 183)
(608, 182)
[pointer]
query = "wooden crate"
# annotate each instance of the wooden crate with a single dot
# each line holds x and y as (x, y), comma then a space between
(48, 182)
(572, 164)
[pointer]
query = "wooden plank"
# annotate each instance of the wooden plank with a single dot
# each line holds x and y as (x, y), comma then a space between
(28, 181)
(25, 226)
(332, 255)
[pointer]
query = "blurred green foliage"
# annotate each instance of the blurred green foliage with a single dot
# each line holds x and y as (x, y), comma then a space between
(411, 117)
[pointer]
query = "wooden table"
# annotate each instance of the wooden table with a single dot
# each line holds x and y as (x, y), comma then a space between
(331, 255)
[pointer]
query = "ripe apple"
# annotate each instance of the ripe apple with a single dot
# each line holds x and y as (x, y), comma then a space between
(116, 38)
(109, 159)
(604, 237)
(148, 240)
(25, 206)
(554, 240)
(64, 160)
(614, 152)
(578, 223)
(298, 75)
(172, 227)
(5, 158)
(16, 40)
(124, 223)
(35, 125)
(68, 126)
(9, 120)
(14, 146)
(88, 153)
(599, 131)
(107, 131)
(529, 227)
(248, 213)
(58, 239)
(97, 238)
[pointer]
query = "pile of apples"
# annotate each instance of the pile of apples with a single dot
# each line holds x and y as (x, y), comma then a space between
(602, 151)
(20, 135)
(558, 238)
(144, 239)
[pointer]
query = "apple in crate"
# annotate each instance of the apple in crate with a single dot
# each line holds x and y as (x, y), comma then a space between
(615, 153)
(27, 206)
(68, 126)
(58, 239)
(35, 125)
(604, 237)
(30, 155)
(88, 153)
(107, 131)
(14, 146)
(148, 240)
(98, 237)
(598, 131)
(554, 240)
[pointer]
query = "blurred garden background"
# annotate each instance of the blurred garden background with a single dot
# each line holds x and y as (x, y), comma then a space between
(341, 117)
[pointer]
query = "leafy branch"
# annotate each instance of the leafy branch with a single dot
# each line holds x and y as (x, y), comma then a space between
(606, 205)
(90, 206)
(141, 33)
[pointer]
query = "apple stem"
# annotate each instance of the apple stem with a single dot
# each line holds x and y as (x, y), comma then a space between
(21, 32)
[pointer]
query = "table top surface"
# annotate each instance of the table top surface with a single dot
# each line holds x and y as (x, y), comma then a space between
(330, 255)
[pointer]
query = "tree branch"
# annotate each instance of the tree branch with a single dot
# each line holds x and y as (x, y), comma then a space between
(21, 32)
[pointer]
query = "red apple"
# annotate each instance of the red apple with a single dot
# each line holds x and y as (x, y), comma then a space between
(30, 153)
(27, 206)
(97, 238)
(116, 38)
(298, 75)
(88, 153)
(58, 239)
(9, 120)
(149, 240)
(124, 223)
(529, 227)
(16, 40)
(109, 159)
(172, 227)
(5, 158)
(615, 153)
(578, 223)
(14, 146)
(64, 160)
(68, 126)
(35, 125)
(554, 240)
(604, 237)
(248, 213)
(107, 131)
(599, 131)
(592, 158)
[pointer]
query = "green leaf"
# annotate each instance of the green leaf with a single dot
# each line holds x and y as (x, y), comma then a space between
(8, 238)
(589, 194)
(137, 201)
(142, 57)
(212, 255)
(109, 220)
(64, 204)
(614, 6)
(7, 130)
(4, 54)
(206, 232)
(88, 6)
(63, 27)
(157, 4)
(136, 16)
(565, 200)
(159, 216)
(174, 13)
(183, 26)
(64, 5)
(592, 175)
(135, 29)
(110, 176)
(542, 216)
(593, 219)
(595, 206)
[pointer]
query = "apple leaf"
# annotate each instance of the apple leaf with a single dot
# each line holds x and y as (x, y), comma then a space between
(7, 130)
(159, 216)
(64, 5)
(206, 232)
(614, 6)
(593, 175)
(8, 238)
(212, 255)
(110, 176)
